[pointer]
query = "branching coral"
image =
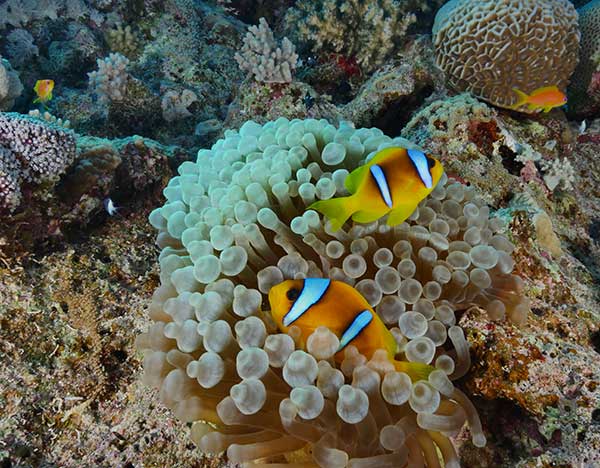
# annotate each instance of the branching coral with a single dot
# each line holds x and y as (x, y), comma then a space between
(235, 224)
(31, 151)
(490, 47)
(110, 80)
(123, 40)
(262, 57)
(366, 31)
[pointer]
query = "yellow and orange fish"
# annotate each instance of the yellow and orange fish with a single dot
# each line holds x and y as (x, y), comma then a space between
(544, 99)
(313, 302)
(394, 182)
(43, 89)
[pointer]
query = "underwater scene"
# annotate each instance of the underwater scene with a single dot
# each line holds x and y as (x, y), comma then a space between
(300, 233)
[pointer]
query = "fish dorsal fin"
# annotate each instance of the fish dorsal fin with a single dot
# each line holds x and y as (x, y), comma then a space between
(355, 178)
(544, 89)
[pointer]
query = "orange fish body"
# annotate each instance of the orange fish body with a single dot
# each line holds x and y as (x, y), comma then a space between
(544, 99)
(313, 302)
(43, 89)
(394, 182)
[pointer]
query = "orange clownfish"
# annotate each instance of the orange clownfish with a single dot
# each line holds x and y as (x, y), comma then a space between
(545, 98)
(313, 302)
(394, 181)
(43, 89)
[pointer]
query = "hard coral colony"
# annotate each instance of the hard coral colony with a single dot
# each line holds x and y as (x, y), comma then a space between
(380, 245)
(236, 225)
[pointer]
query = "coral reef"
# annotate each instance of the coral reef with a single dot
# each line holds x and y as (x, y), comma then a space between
(490, 47)
(110, 80)
(264, 59)
(32, 152)
(584, 92)
(234, 225)
(175, 105)
(366, 31)
(10, 85)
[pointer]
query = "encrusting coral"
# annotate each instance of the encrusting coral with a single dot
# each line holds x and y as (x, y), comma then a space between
(263, 58)
(490, 47)
(235, 224)
(10, 85)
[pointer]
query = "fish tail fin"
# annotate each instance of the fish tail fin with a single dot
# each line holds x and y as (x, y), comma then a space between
(522, 98)
(337, 210)
(415, 370)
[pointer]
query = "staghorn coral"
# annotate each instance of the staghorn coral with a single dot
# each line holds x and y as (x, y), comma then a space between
(263, 58)
(490, 47)
(583, 77)
(10, 85)
(110, 80)
(366, 31)
(235, 224)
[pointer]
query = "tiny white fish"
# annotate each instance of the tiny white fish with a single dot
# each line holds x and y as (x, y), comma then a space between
(582, 127)
(110, 207)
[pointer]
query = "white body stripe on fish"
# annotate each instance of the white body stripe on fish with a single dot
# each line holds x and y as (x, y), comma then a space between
(312, 292)
(382, 185)
(359, 323)
(419, 160)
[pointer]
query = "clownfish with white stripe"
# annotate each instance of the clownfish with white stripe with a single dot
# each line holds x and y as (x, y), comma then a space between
(394, 182)
(313, 302)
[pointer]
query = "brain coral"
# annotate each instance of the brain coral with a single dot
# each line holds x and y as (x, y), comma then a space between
(235, 224)
(589, 23)
(489, 47)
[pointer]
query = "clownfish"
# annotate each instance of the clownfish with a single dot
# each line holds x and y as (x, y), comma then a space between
(313, 302)
(394, 181)
(43, 89)
(545, 99)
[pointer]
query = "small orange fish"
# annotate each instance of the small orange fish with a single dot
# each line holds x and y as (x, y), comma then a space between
(313, 302)
(394, 182)
(43, 89)
(544, 99)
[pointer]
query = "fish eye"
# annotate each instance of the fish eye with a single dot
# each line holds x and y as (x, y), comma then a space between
(292, 294)
(430, 162)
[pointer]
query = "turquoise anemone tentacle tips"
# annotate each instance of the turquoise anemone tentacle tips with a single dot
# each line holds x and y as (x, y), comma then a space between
(243, 349)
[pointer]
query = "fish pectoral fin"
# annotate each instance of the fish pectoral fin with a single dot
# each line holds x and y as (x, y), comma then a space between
(399, 214)
(337, 210)
(354, 179)
(365, 216)
(415, 370)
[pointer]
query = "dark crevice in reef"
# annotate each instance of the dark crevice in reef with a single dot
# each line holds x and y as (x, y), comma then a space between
(509, 160)
(582, 252)
(399, 112)
(595, 339)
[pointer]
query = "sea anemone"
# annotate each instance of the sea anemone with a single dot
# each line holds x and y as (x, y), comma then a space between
(235, 224)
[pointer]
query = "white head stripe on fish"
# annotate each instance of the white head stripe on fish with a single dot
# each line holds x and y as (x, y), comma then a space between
(359, 323)
(382, 185)
(312, 292)
(419, 160)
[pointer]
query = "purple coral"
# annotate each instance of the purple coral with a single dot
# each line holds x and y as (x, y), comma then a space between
(32, 151)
